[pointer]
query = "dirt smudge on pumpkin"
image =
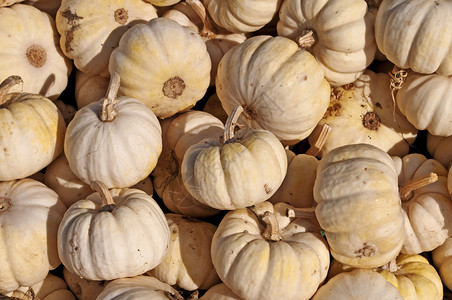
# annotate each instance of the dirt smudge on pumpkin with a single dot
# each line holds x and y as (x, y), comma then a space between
(268, 189)
(367, 250)
(73, 21)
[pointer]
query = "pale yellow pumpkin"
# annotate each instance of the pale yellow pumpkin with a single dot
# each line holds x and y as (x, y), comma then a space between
(358, 205)
(237, 170)
(426, 101)
(116, 140)
(29, 48)
(442, 258)
(168, 85)
(261, 253)
(51, 288)
(105, 236)
(180, 132)
(439, 148)
(188, 262)
(281, 87)
(339, 33)
(364, 112)
(90, 30)
(82, 288)
(30, 214)
(416, 34)
(89, 88)
(32, 132)
(425, 201)
(220, 292)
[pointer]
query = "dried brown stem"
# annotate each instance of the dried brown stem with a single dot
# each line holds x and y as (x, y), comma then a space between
(108, 112)
(323, 136)
(408, 187)
(231, 122)
(104, 193)
(6, 85)
(207, 31)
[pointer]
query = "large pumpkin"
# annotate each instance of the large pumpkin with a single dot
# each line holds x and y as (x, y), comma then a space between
(358, 205)
(281, 87)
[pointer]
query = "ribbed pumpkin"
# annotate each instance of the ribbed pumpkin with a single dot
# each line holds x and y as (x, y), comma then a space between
(442, 258)
(439, 148)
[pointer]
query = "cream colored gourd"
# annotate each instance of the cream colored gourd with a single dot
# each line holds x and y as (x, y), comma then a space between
(105, 237)
(339, 33)
(90, 30)
(407, 32)
(163, 2)
(358, 284)
(82, 288)
(219, 291)
(29, 49)
(139, 287)
(364, 112)
(32, 132)
(425, 201)
(192, 14)
(30, 213)
(188, 262)
(89, 88)
(426, 101)
(116, 140)
(358, 205)
(51, 288)
(281, 87)
(442, 259)
(242, 16)
(179, 132)
(260, 253)
(439, 148)
(237, 170)
(170, 85)
(297, 187)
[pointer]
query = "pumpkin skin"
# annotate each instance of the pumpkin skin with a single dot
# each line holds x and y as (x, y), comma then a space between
(442, 258)
(242, 16)
(343, 32)
(31, 135)
(234, 172)
(428, 209)
(257, 267)
(188, 262)
(30, 49)
(139, 287)
(281, 88)
(169, 85)
(358, 205)
(406, 33)
(89, 31)
(357, 284)
(51, 288)
(4, 3)
(219, 291)
(89, 88)
(439, 148)
(82, 288)
(364, 112)
(30, 213)
(133, 225)
(119, 151)
(426, 101)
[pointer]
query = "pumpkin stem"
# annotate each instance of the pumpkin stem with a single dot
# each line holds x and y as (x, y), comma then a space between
(321, 139)
(7, 84)
(101, 188)
(231, 122)
(271, 231)
(173, 296)
(194, 295)
(108, 112)
(398, 77)
(207, 31)
(306, 39)
(408, 187)
(304, 213)
(5, 204)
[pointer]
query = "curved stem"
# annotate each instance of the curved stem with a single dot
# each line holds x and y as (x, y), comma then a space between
(408, 187)
(7, 84)
(304, 213)
(231, 122)
(108, 112)
(321, 139)
(271, 231)
(207, 30)
(104, 193)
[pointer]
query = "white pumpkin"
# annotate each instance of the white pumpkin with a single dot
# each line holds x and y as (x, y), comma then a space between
(439, 148)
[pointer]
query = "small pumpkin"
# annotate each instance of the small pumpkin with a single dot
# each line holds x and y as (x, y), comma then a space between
(238, 170)
(261, 253)
(339, 33)
(170, 85)
(30, 214)
(219, 291)
(442, 259)
(104, 237)
(116, 140)
(32, 132)
(358, 205)
(406, 32)
(30, 49)
(439, 148)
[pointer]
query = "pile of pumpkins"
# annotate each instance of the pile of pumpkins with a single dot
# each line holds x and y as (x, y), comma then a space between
(211, 149)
